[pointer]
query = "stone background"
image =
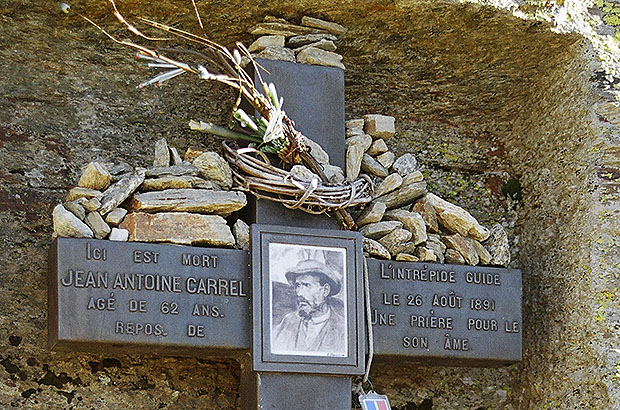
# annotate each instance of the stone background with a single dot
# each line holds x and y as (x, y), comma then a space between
(509, 98)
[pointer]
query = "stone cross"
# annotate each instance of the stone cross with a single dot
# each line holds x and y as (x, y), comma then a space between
(178, 300)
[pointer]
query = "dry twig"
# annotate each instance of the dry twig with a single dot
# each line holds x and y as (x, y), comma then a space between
(272, 130)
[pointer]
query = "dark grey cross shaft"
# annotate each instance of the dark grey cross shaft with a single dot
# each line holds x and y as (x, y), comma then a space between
(176, 300)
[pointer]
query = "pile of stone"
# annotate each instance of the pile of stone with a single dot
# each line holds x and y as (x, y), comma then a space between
(404, 221)
(182, 201)
(312, 42)
(186, 201)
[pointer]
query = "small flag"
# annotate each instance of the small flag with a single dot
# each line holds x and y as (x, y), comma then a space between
(374, 401)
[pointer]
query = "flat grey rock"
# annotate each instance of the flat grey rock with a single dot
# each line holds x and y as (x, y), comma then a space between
(162, 153)
(373, 167)
(97, 224)
(389, 184)
(425, 255)
(356, 146)
(241, 232)
(95, 176)
(406, 257)
(76, 208)
(404, 247)
(386, 159)
(326, 45)
(483, 254)
(92, 204)
(117, 169)
(321, 156)
(174, 182)
(174, 170)
(464, 246)
(379, 126)
(405, 164)
(394, 238)
(215, 168)
(302, 173)
(377, 147)
(454, 257)
(334, 173)
(374, 248)
(277, 53)
(316, 56)
(378, 229)
(189, 200)
(79, 192)
(404, 195)
(115, 216)
(371, 214)
(119, 235)
(67, 225)
(302, 40)
(354, 123)
(412, 221)
(352, 132)
(266, 41)
(117, 193)
(280, 28)
(333, 28)
(456, 219)
(178, 227)
(415, 176)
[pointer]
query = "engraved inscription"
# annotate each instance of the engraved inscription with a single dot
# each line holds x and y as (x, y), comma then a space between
(393, 299)
(201, 309)
(212, 286)
(481, 304)
(450, 300)
(453, 343)
(149, 294)
(145, 256)
(202, 260)
(431, 322)
(483, 278)
(96, 253)
(195, 331)
(389, 271)
(85, 279)
(137, 305)
(486, 325)
(148, 281)
(383, 319)
(413, 305)
(169, 308)
(415, 300)
(415, 342)
(137, 329)
(511, 327)
(102, 304)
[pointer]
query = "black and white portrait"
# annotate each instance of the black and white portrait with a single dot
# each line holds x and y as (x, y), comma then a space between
(308, 307)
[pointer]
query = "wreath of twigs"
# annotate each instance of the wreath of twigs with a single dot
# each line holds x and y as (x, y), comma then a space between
(264, 180)
(271, 130)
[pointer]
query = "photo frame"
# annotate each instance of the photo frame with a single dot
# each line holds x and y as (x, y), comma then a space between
(308, 300)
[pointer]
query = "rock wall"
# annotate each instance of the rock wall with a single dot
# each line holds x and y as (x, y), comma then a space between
(511, 120)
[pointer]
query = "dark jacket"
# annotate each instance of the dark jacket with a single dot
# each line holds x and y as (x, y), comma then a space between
(331, 338)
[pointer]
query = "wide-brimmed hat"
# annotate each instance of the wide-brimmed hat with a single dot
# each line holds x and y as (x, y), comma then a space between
(314, 267)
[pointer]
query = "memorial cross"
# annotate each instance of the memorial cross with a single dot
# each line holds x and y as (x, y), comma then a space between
(107, 296)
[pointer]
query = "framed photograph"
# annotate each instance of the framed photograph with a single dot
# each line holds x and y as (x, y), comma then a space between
(308, 300)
